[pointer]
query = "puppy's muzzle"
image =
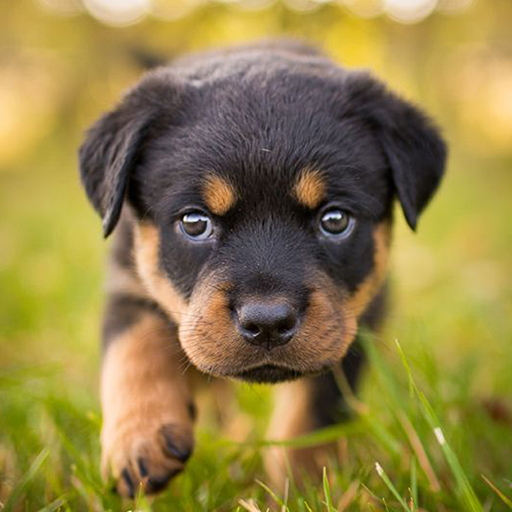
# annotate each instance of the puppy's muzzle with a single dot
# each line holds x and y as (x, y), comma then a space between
(267, 323)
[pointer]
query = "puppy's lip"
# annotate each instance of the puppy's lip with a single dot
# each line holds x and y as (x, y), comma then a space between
(268, 373)
(275, 373)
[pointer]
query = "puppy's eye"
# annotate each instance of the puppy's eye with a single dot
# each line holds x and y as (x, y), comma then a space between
(336, 223)
(196, 226)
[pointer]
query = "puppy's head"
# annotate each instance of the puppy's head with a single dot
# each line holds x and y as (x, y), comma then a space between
(262, 186)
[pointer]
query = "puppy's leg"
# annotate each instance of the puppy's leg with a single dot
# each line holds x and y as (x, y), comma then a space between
(302, 407)
(146, 398)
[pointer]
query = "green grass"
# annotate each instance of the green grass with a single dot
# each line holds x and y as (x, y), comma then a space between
(433, 429)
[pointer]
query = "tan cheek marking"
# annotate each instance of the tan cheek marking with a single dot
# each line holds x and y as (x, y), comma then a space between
(147, 247)
(324, 321)
(358, 302)
(309, 189)
(212, 307)
(218, 194)
(207, 333)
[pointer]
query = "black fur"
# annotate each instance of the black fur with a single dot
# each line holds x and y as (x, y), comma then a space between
(308, 111)
(258, 116)
(123, 311)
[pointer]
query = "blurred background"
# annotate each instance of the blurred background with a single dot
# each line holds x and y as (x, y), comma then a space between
(64, 62)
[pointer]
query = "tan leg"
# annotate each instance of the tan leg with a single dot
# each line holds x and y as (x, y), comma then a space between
(147, 407)
(295, 415)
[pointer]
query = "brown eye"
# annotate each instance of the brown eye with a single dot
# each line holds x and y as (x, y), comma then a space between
(196, 226)
(336, 223)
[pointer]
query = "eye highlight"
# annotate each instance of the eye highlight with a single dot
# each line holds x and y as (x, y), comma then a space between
(196, 226)
(336, 223)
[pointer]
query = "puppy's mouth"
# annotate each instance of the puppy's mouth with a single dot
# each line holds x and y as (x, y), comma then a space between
(273, 374)
(268, 373)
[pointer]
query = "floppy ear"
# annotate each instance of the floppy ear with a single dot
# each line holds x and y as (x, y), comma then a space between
(413, 146)
(108, 155)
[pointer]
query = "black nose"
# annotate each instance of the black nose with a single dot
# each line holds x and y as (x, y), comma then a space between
(268, 324)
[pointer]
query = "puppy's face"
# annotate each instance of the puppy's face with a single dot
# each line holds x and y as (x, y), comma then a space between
(263, 188)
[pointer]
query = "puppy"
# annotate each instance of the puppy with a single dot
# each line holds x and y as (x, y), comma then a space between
(252, 191)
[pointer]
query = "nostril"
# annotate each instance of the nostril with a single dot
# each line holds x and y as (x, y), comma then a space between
(251, 328)
(287, 324)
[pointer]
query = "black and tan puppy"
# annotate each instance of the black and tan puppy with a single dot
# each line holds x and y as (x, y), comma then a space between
(252, 191)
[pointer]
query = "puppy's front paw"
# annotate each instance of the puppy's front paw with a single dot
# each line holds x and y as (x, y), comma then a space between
(148, 413)
(140, 453)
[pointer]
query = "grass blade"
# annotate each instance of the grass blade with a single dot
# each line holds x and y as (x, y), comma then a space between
(54, 505)
(273, 495)
(27, 478)
(503, 498)
(249, 505)
(419, 450)
(464, 488)
(327, 493)
(414, 484)
(307, 506)
(391, 487)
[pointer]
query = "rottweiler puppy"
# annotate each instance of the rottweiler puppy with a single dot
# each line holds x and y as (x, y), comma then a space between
(251, 193)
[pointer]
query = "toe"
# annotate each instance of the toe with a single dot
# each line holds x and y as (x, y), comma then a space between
(156, 483)
(177, 443)
(126, 484)
(148, 462)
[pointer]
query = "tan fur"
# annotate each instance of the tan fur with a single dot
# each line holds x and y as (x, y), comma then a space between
(356, 304)
(207, 333)
(219, 195)
(309, 189)
(122, 280)
(147, 248)
(143, 388)
(120, 276)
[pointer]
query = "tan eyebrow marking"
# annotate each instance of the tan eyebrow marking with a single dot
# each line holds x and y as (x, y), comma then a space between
(309, 188)
(219, 195)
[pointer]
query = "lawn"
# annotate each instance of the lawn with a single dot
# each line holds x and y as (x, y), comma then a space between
(432, 426)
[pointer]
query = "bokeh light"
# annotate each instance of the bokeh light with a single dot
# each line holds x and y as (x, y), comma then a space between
(63, 7)
(129, 12)
(170, 11)
(118, 12)
(409, 11)
(365, 8)
(454, 6)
